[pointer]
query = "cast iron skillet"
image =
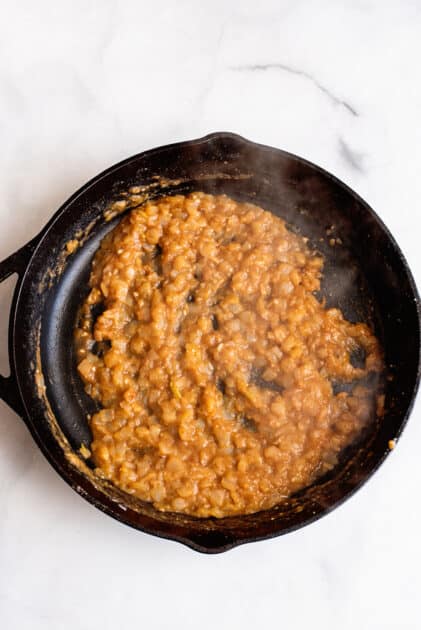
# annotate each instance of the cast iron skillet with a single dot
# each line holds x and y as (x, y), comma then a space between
(366, 276)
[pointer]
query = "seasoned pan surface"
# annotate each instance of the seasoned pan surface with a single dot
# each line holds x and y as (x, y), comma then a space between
(365, 275)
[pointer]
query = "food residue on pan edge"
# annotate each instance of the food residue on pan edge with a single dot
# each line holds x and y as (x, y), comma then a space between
(224, 384)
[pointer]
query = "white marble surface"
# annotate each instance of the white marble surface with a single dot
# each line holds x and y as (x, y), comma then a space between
(85, 84)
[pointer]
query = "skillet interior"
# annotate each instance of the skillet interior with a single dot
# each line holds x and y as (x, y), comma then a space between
(365, 276)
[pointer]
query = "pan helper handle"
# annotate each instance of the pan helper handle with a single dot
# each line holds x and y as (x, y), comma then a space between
(15, 263)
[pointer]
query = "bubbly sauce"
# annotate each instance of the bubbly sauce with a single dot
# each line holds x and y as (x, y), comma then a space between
(215, 366)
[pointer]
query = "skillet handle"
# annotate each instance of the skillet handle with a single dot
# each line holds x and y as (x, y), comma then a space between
(15, 263)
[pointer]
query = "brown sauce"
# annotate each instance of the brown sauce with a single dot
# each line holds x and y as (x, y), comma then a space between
(215, 365)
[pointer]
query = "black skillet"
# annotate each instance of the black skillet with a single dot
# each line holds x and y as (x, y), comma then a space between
(365, 275)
